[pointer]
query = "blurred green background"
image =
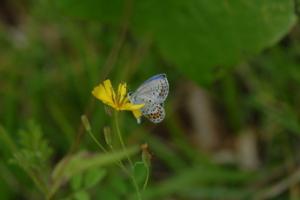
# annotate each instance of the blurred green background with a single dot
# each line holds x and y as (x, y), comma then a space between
(232, 126)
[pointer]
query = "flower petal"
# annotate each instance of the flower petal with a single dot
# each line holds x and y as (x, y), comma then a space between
(122, 89)
(109, 90)
(137, 114)
(100, 93)
(130, 106)
(119, 101)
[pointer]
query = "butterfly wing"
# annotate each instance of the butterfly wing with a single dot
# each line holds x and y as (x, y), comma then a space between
(154, 112)
(153, 90)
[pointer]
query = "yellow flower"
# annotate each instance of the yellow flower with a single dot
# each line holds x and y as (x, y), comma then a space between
(119, 101)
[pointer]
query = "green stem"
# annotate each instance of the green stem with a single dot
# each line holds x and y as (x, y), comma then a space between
(96, 141)
(128, 157)
(121, 138)
(119, 163)
(38, 182)
(147, 178)
(88, 129)
(136, 187)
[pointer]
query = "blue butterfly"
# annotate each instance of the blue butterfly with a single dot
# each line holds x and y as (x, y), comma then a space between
(153, 92)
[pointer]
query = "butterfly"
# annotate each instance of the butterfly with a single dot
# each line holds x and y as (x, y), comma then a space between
(153, 93)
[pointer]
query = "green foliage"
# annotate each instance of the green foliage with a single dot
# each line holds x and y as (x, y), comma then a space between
(50, 63)
(76, 182)
(87, 179)
(82, 161)
(186, 179)
(81, 182)
(200, 38)
(140, 172)
(34, 151)
(93, 176)
(81, 195)
(33, 155)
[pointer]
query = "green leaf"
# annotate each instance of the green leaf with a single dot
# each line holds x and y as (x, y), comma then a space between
(33, 154)
(119, 184)
(81, 195)
(200, 38)
(94, 176)
(76, 182)
(34, 148)
(192, 177)
(34, 151)
(83, 161)
(108, 193)
(140, 172)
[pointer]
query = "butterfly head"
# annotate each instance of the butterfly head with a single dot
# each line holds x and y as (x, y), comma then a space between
(130, 97)
(133, 98)
(129, 94)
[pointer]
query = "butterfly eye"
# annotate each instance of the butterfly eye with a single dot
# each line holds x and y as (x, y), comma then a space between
(129, 96)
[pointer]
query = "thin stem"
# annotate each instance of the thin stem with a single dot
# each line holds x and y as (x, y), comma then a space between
(90, 132)
(121, 138)
(128, 157)
(136, 187)
(96, 141)
(88, 129)
(38, 182)
(147, 178)
(120, 163)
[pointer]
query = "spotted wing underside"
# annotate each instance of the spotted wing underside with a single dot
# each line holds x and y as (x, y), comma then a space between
(155, 112)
